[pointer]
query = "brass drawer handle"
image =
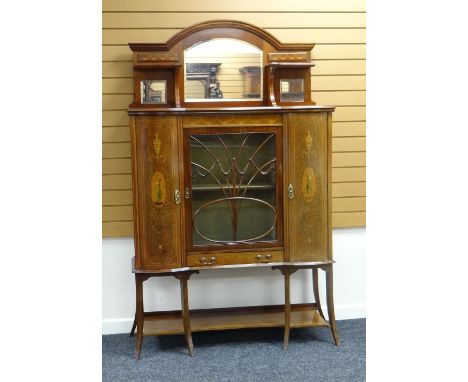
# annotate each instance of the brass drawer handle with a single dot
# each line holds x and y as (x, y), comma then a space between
(290, 191)
(177, 196)
(266, 260)
(205, 261)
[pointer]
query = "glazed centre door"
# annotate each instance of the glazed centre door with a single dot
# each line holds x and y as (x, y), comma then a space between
(233, 179)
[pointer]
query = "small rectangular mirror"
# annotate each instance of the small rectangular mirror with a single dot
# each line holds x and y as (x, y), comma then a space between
(292, 90)
(153, 91)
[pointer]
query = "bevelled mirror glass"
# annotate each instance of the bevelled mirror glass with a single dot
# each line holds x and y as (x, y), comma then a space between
(223, 69)
(292, 90)
(153, 91)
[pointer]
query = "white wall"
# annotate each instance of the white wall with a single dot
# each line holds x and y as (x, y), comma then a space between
(230, 287)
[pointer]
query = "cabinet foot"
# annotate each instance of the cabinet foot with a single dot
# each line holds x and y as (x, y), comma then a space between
(132, 331)
(139, 341)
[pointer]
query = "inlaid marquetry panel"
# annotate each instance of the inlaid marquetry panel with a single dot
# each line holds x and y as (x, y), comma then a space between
(307, 205)
(156, 57)
(239, 119)
(159, 222)
(291, 57)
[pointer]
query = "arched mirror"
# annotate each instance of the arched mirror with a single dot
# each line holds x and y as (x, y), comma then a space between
(223, 69)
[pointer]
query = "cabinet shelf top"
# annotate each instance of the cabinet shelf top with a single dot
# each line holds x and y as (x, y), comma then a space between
(227, 110)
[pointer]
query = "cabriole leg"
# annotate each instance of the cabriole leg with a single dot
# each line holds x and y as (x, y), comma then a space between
(287, 308)
(139, 315)
(316, 291)
(185, 311)
(330, 304)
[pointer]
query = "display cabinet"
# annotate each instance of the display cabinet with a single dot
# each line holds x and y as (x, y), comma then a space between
(231, 163)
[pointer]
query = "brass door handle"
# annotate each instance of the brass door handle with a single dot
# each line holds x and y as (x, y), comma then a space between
(177, 196)
(187, 193)
(290, 191)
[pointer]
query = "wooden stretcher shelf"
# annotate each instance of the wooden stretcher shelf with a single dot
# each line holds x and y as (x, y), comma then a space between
(163, 323)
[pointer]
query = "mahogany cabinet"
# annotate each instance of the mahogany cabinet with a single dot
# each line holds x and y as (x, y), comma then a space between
(224, 178)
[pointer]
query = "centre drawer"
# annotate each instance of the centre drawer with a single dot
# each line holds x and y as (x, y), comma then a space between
(229, 258)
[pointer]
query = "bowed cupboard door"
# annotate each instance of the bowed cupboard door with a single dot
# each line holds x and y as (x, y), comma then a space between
(156, 197)
(308, 187)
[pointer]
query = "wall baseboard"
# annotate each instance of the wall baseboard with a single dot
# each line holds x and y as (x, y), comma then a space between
(123, 325)
(116, 325)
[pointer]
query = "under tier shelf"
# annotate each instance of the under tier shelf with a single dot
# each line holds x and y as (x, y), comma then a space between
(163, 323)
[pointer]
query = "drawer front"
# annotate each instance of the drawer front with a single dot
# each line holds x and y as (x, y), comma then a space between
(230, 258)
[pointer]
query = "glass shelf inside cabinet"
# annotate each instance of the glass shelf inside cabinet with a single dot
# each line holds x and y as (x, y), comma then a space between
(233, 188)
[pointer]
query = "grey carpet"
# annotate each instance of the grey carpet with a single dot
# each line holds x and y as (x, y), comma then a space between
(241, 355)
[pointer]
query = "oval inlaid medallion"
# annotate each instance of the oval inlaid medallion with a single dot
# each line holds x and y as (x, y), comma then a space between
(309, 184)
(158, 189)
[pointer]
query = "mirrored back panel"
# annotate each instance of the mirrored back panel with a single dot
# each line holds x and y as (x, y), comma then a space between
(223, 69)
